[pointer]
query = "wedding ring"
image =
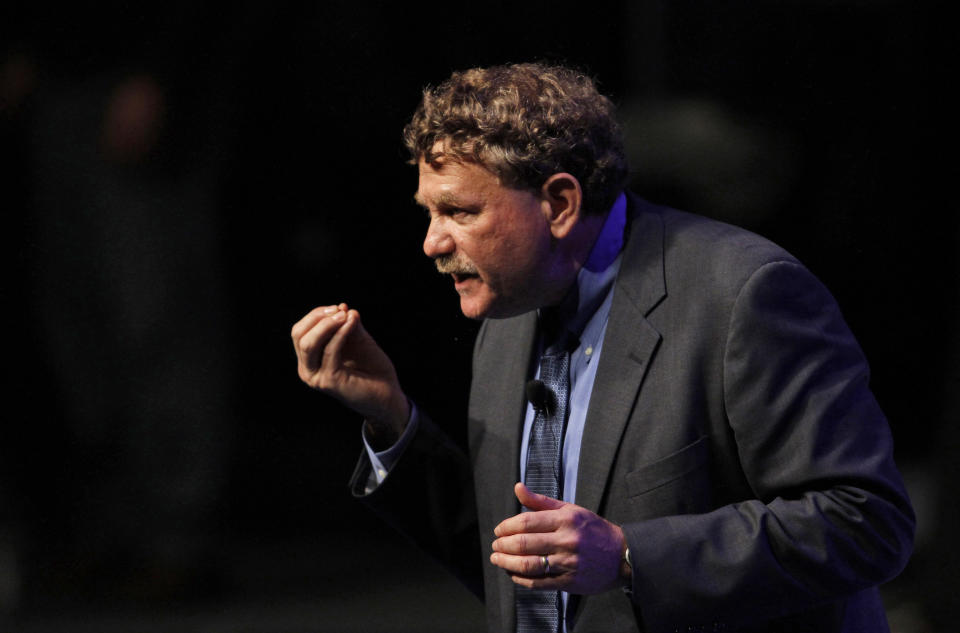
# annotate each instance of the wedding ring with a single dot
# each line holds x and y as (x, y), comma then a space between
(546, 565)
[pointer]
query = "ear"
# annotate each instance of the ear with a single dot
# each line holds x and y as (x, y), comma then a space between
(562, 199)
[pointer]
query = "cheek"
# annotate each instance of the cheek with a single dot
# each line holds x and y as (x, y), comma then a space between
(484, 251)
(505, 251)
(522, 252)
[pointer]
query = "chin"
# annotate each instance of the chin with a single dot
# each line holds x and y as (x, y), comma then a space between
(479, 305)
(473, 311)
(488, 308)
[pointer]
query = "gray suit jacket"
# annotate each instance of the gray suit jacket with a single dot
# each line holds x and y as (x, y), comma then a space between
(731, 432)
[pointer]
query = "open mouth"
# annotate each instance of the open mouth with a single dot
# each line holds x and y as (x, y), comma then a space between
(459, 278)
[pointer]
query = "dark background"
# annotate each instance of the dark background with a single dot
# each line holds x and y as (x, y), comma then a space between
(182, 181)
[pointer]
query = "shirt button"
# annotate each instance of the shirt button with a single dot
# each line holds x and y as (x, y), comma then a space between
(382, 473)
(588, 351)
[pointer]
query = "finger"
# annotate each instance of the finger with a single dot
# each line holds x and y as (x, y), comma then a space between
(527, 522)
(527, 544)
(524, 565)
(309, 320)
(333, 350)
(315, 341)
(534, 501)
(530, 566)
(560, 582)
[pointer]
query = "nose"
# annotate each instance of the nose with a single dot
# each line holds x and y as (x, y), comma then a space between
(438, 240)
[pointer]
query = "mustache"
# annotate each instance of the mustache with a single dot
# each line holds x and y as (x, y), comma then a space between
(453, 264)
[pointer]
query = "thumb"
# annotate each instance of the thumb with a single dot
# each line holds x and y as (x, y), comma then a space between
(533, 501)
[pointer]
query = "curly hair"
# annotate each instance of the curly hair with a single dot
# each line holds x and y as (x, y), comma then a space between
(524, 122)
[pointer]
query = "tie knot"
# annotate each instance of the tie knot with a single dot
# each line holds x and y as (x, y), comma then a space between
(557, 338)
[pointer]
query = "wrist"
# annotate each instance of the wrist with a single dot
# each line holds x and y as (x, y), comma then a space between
(383, 431)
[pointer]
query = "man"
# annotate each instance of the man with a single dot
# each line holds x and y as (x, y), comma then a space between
(686, 392)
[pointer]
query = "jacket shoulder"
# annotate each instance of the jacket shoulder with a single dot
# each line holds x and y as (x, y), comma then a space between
(721, 242)
(699, 252)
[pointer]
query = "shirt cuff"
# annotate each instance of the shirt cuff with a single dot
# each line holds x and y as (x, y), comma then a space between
(383, 461)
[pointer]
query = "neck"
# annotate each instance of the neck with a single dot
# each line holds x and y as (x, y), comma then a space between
(572, 253)
(591, 227)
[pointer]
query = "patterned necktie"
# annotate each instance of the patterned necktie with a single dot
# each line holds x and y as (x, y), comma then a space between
(538, 611)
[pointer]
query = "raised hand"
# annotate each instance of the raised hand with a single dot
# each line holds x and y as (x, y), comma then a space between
(336, 356)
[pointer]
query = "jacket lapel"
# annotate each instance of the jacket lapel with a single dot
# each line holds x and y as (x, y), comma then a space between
(628, 348)
(499, 399)
(503, 406)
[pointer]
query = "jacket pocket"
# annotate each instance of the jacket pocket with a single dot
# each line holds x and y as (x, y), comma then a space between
(661, 472)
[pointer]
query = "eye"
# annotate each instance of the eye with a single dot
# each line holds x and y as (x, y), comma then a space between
(459, 213)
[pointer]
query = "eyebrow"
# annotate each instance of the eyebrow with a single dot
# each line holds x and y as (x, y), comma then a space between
(444, 199)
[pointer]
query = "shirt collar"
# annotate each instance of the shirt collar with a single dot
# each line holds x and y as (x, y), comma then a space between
(609, 243)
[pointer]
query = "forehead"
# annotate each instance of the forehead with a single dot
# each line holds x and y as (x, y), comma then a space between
(448, 181)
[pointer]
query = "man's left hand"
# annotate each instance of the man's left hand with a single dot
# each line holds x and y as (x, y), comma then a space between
(584, 551)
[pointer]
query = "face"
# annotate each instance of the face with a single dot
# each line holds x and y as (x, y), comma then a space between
(494, 241)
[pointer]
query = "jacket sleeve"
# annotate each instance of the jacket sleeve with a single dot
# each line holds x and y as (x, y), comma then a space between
(830, 515)
(428, 497)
